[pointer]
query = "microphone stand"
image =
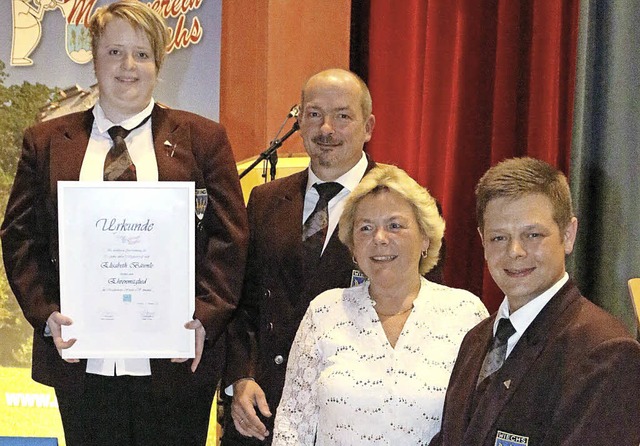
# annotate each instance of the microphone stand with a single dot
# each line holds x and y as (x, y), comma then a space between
(271, 150)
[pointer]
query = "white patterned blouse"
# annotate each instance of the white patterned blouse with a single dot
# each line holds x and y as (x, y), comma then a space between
(346, 385)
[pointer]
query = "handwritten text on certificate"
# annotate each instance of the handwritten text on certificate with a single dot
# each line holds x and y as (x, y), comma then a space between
(127, 268)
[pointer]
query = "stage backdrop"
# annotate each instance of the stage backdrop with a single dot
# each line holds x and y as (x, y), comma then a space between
(45, 54)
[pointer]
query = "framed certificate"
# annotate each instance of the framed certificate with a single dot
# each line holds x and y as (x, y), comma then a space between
(127, 268)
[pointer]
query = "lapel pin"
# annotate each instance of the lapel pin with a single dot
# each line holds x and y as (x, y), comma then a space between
(507, 383)
(173, 148)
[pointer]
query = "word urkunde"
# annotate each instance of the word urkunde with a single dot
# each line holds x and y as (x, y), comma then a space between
(115, 225)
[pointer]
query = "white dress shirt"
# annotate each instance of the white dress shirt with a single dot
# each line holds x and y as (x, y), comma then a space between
(139, 144)
(524, 316)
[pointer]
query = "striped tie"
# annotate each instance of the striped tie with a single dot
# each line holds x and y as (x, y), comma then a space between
(314, 230)
(497, 353)
(117, 164)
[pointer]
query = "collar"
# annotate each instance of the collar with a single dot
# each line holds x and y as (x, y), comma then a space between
(524, 316)
(103, 123)
(349, 179)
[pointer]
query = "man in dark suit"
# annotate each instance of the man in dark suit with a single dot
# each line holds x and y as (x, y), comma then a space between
(335, 122)
(572, 372)
(136, 401)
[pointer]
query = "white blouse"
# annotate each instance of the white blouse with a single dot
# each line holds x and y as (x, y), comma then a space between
(346, 385)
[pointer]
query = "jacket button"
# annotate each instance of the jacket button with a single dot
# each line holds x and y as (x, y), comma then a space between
(278, 359)
(270, 326)
(267, 294)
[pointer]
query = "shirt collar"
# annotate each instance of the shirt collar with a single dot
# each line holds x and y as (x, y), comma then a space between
(349, 180)
(103, 123)
(524, 316)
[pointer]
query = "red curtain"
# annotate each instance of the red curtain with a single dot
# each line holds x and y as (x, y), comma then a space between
(460, 85)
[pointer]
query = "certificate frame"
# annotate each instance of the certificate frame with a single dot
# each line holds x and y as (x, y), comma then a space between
(127, 268)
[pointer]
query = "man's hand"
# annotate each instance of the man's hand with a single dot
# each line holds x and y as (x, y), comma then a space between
(247, 395)
(55, 321)
(200, 335)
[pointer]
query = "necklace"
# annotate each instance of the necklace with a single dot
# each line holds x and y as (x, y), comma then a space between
(394, 314)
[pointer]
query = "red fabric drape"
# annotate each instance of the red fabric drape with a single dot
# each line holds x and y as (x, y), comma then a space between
(458, 86)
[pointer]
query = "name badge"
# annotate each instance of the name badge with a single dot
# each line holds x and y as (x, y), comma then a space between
(357, 278)
(507, 439)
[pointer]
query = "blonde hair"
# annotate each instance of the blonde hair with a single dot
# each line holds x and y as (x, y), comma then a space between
(141, 17)
(392, 178)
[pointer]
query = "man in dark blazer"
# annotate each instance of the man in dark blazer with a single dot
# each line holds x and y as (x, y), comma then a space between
(169, 403)
(335, 123)
(572, 371)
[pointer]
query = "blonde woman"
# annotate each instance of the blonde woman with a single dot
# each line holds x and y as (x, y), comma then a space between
(370, 364)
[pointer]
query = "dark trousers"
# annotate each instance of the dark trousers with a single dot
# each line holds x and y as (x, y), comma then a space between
(124, 410)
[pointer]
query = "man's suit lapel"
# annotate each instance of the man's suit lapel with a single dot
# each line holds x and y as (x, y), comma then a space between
(501, 388)
(172, 145)
(291, 208)
(293, 199)
(508, 379)
(68, 146)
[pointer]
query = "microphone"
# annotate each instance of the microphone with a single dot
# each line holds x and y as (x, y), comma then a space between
(270, 154)
(294, 112)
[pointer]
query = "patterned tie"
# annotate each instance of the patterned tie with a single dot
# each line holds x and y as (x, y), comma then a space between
(314, 230)
(118, 165)
(498, 351)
